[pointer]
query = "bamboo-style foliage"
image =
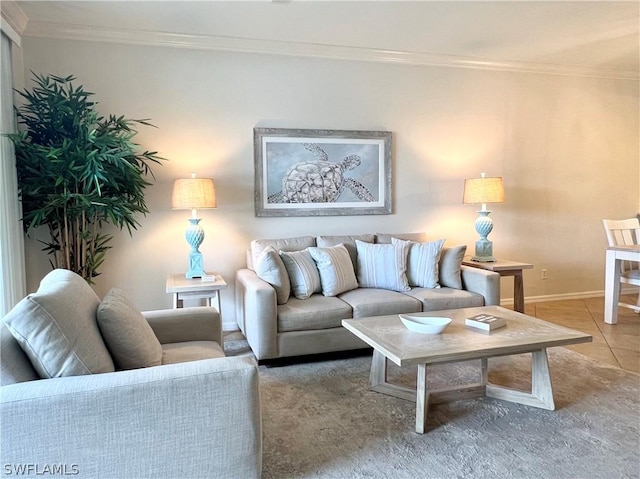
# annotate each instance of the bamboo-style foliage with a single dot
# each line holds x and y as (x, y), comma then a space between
(77, 171)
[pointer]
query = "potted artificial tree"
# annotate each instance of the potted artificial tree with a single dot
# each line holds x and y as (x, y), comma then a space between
(77, 171)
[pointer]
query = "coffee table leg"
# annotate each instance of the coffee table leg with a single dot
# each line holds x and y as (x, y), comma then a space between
(422, 399)
(541, 387)
(541, 394)
(484, 371)
(378, 374)
(378, 380)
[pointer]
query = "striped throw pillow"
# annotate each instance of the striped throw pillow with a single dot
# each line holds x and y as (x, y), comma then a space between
(335, 268)
(303, 273)
(383, 266)
(423, 258)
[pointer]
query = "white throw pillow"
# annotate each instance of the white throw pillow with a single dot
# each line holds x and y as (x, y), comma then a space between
(383, 266)
(303, 273)
(335, 268)
(128, 335)
(56, 327)
(271, 269)
(422, 262)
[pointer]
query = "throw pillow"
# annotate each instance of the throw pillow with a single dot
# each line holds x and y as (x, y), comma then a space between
(422, 262)
(349, 242)
(335, 268)
(271, 269)
(383, 265)
(128, 335)
(303, 273)
(15, 365)
(385, 238)
(450, 265)
(282, 244)
(56, 327)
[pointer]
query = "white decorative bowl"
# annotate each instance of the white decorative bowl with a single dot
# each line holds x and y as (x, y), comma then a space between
(425, 324)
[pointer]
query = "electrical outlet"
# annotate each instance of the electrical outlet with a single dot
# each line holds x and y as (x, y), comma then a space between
(543, 273)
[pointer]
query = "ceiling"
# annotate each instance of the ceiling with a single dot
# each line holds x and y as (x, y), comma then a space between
(594, 36)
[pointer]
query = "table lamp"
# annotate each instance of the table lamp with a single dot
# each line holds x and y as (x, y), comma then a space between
(191, 194)
(483, 190)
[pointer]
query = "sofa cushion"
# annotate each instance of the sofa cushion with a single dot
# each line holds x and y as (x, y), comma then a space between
(303, 273)
(378, 302)
(173, 353)
(15, 366)
(385, 238)
(281, 244)
(349, 242)
(450, 266)
(335, 268)
(128, 335)
(446, 298)
(56, 327)
(383, 265)
(316, 312)
(422, 262)
(271, 268)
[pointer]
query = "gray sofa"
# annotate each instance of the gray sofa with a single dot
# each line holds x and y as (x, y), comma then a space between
(195, 415)
(277, 327)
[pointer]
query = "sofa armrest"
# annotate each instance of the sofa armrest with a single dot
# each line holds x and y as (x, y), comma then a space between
(196, 419)
(486, 283)
(257, 313)
(201, 323)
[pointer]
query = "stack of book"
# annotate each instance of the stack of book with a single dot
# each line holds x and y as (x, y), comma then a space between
(485, 322)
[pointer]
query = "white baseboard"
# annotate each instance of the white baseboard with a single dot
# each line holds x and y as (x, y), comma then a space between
(566, 296)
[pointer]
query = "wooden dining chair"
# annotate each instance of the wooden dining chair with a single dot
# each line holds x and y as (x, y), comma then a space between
(626, 232)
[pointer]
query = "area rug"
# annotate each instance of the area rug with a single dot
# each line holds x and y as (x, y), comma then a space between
(320, 420)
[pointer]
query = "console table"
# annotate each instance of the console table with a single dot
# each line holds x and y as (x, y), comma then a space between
(505, 267)
(195, 288)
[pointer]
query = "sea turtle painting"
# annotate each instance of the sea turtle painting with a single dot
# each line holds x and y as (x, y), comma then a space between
(320, 181)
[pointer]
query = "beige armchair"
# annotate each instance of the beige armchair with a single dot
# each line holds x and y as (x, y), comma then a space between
(188, 417)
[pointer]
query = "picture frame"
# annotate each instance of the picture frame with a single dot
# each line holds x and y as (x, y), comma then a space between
(304, 172)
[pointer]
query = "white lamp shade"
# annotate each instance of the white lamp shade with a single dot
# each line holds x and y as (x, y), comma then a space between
(193, 193)
(483, 190)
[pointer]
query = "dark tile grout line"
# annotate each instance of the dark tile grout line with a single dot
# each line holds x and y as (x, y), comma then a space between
(603, 336)
(595, 322)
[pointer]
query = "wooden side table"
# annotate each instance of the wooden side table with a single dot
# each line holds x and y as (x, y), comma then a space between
(195, 288)
(505, 267)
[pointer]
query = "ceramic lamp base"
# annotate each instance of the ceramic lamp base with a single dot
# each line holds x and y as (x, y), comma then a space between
(195, 266)
(194, 236)
(484, 247)
(484, 251)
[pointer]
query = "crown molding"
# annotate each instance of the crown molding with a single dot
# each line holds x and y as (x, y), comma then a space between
(315, 50)
(14, 21)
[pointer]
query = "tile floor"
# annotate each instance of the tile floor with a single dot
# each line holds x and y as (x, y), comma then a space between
(614, 344)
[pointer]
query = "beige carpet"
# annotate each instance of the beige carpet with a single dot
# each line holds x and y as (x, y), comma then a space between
(320, 420)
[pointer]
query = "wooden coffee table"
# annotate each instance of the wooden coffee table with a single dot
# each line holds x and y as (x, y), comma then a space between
(392, 341)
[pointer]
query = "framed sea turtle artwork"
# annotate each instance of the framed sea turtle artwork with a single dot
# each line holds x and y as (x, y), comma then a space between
(322, 172)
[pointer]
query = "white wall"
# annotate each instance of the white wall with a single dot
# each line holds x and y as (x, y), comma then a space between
(566, 146)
